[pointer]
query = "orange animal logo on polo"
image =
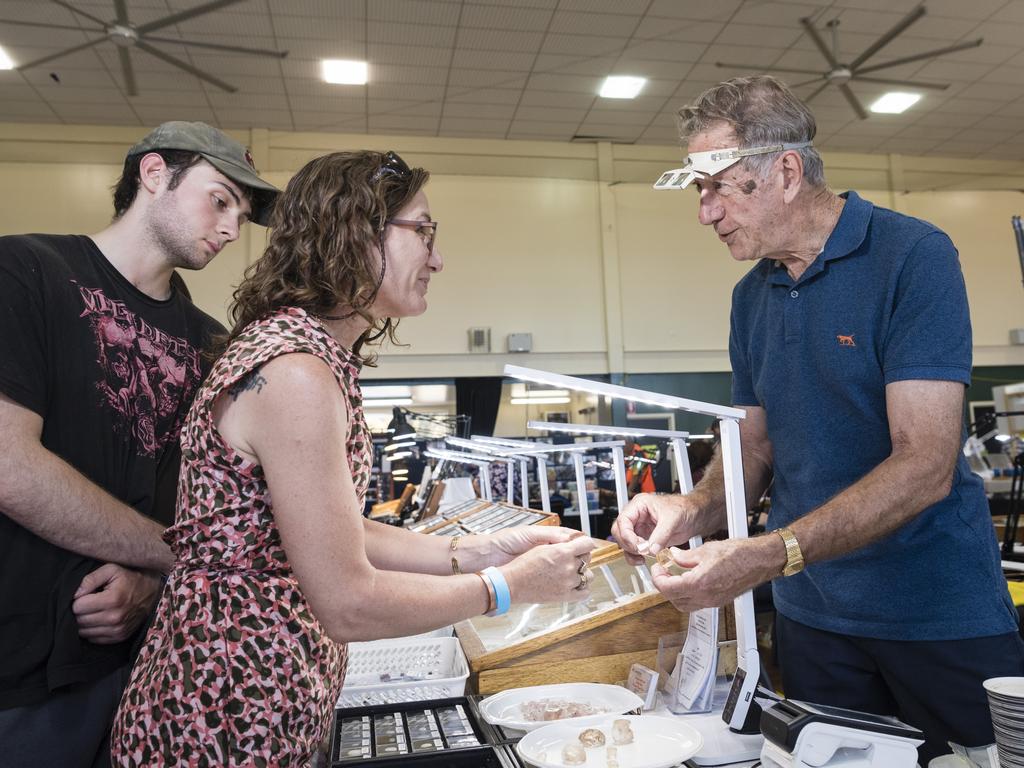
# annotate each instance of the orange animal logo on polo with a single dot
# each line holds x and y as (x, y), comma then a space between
(845, 341)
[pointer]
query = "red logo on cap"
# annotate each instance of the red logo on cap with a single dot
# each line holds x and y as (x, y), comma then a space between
(249, 160)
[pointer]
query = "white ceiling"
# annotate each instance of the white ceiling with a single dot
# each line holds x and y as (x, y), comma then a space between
(523, 69)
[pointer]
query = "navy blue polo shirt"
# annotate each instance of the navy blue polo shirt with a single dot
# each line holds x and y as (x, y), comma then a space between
(883, 302)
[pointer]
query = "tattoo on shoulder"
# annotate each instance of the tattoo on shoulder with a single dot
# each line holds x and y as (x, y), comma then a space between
(252, 380)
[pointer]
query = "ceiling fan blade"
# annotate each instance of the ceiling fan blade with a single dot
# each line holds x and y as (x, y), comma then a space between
(65, 52)
(219, 47)
(122, 11)
(768, 69)
(815, 92)
(851, 97)
(82, 13)
(191, 13)
(51, 26)
(176, 62)
(920, 56)
(127, 71)
(808, 82)
(889, 36)
(909, 83)
(812, 33)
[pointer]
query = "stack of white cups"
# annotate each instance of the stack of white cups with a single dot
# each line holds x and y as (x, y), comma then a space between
(1006, 703)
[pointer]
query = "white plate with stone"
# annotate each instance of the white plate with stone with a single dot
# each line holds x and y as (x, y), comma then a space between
(658, 742)
(506, 708)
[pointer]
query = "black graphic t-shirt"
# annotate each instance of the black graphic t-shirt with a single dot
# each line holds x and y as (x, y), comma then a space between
(112, 372)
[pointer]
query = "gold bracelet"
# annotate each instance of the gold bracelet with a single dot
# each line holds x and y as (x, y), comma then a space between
(492, 598)
(455, 561)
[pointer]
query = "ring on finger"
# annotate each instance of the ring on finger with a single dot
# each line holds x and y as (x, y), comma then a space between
(582, 568)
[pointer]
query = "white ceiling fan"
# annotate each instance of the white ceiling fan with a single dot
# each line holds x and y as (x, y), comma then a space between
(840, 74)
(126, 36)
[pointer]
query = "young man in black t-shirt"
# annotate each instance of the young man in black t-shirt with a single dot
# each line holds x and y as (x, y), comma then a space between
(100, 356)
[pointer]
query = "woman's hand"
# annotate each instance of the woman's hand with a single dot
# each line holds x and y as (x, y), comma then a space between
(504, 546)
(552, 573)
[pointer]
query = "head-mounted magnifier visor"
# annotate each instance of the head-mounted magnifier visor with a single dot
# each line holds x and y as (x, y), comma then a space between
(704, 165)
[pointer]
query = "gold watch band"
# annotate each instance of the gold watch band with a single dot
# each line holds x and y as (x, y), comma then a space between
(794, 556)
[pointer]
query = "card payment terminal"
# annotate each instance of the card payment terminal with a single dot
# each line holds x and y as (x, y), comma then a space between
(802, 735)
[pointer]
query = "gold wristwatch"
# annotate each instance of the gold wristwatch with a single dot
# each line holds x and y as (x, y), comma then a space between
(794, 557)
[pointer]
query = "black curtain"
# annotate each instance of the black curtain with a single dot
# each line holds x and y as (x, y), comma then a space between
(478, 397)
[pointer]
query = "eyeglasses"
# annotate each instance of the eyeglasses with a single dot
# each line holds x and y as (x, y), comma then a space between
(427, 230)
(393, 165)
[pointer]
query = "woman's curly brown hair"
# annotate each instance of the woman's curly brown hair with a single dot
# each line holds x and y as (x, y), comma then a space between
(327, 230)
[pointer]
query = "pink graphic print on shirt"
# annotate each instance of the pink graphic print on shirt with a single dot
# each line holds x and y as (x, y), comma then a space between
(147, 373)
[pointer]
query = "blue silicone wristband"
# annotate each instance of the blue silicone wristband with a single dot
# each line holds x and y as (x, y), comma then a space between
(502, 596)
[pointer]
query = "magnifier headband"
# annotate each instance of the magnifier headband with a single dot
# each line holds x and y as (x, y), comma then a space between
(704, 165)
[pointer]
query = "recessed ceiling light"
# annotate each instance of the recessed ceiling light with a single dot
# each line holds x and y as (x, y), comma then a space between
(895, 102)
(620, 87)
(344, 71)
(5, 60)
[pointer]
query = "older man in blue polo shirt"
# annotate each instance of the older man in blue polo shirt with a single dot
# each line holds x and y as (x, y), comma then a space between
(850, 345)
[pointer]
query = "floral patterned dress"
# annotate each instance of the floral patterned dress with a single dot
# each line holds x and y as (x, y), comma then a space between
(236, 670)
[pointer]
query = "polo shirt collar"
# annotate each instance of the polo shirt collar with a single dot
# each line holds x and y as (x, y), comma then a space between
(846, 237)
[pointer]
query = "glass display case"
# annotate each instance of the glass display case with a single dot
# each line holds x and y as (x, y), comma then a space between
(594, 641)
(479, 516)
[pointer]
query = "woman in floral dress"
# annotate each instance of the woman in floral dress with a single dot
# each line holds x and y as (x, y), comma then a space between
(276, 568)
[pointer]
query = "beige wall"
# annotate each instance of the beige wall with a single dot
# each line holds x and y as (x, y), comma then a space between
(565, 241)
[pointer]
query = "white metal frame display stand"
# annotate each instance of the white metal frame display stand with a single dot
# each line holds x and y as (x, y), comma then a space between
(482, 462)
(738, 706)
(577, 450)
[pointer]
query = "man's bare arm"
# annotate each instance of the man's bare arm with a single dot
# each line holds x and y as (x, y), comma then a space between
(44, 494)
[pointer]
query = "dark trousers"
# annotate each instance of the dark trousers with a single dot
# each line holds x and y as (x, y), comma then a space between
(933, 685)
(71, 729)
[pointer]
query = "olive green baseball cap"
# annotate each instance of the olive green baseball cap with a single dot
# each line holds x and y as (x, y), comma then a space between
(221, 151)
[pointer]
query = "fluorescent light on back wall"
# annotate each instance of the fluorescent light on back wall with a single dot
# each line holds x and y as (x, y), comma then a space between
(5, 60)
(344, 71)
(895, 102)
(622, 87)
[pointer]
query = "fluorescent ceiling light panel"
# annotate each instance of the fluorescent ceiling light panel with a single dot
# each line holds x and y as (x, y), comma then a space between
(5, 60)
(621, 87)
(895, 102)
(539, 400)
(344, 71)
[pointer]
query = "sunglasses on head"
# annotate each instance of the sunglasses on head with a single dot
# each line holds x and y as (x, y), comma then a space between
(392, 165)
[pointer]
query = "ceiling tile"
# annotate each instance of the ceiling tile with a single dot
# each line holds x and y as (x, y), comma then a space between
(551, 114)
(341, 30)
(505, 17)
(660, 28)
(473, 78)
(458, 95)
(488, 111)
(500, 40)
(584, 45)
(471, 124)
(624, 7)
(659, 50)
(395, 33)
(758, 35)
(506, 60)
(576, 23)
(721, 10)
(342, 9)
(958, 9)
(261, 118)
(414, 11)
(537, 98)
(408, 55)
(571, 83)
